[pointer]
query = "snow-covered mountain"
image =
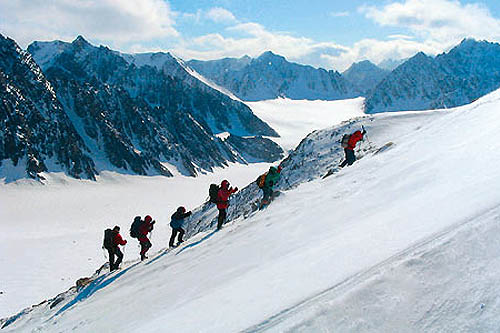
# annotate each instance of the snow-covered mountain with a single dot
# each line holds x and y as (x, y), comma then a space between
(134, 113)
(37, 135)
(365, 75)
(467, 72)
(403, 241)
(270, 76)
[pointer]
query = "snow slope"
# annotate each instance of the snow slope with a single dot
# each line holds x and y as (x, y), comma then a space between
(405, 225)
(58, 228)
(53, 233)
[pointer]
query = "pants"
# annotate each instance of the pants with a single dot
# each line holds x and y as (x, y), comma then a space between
(145, 245)
(180, 231)
(119, 257)
(222, 218)
(268, 192)
(350, 158)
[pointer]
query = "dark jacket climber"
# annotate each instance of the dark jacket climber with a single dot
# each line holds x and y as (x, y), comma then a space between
(272, 178)
(114, 250)
(223, 201)
(176, 222)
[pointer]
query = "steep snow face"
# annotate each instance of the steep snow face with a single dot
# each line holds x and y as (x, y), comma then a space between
(270, 76)
(157, 59)
(334, 234)
(48, 51)
(467, 72)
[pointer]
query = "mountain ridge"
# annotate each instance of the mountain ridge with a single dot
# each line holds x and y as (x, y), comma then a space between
(132, 119)
(466, 72)
(270, 76)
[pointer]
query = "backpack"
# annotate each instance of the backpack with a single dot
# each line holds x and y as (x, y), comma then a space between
(134, 228)
(213, 193)
(261, 180)
(345, 141)
(109, 236)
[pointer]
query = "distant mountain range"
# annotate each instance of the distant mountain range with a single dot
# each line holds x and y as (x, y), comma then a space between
(81, 109)
(271, 76)
(467, 72)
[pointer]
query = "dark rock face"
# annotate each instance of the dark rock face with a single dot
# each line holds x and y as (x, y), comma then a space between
(467, 72)
(270, 76)
(267, 151)
(36, 130)
(97, 110)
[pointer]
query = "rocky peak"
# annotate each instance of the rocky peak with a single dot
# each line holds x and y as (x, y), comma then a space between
(81, 42)
(365, 75)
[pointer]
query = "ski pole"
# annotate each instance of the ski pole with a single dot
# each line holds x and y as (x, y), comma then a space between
(104, 253)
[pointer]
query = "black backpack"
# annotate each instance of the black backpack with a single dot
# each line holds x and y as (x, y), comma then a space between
(345, 141)
(134, 228)
(109, 236)
(213, 193)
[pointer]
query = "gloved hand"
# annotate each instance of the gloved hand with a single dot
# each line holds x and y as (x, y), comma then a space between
(235, 189)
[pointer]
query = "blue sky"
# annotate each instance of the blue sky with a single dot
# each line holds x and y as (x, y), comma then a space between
(329, 34)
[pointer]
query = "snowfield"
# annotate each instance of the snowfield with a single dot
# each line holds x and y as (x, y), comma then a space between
(405, 240)
(53, 233)
(294, 119)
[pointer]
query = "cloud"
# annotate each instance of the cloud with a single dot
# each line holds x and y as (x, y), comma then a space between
(106, 20)
(221, 15)
(376, 51)
(400, 36)
(196, 17)
(253, 40)
(340, 14)
(431, 26)
(443, 21)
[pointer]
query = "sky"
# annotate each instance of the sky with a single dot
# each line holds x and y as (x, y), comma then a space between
(322, 33)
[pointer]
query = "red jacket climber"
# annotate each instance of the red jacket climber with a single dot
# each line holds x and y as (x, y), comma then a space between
(224, 194)
(354, 139)
(222, 201)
